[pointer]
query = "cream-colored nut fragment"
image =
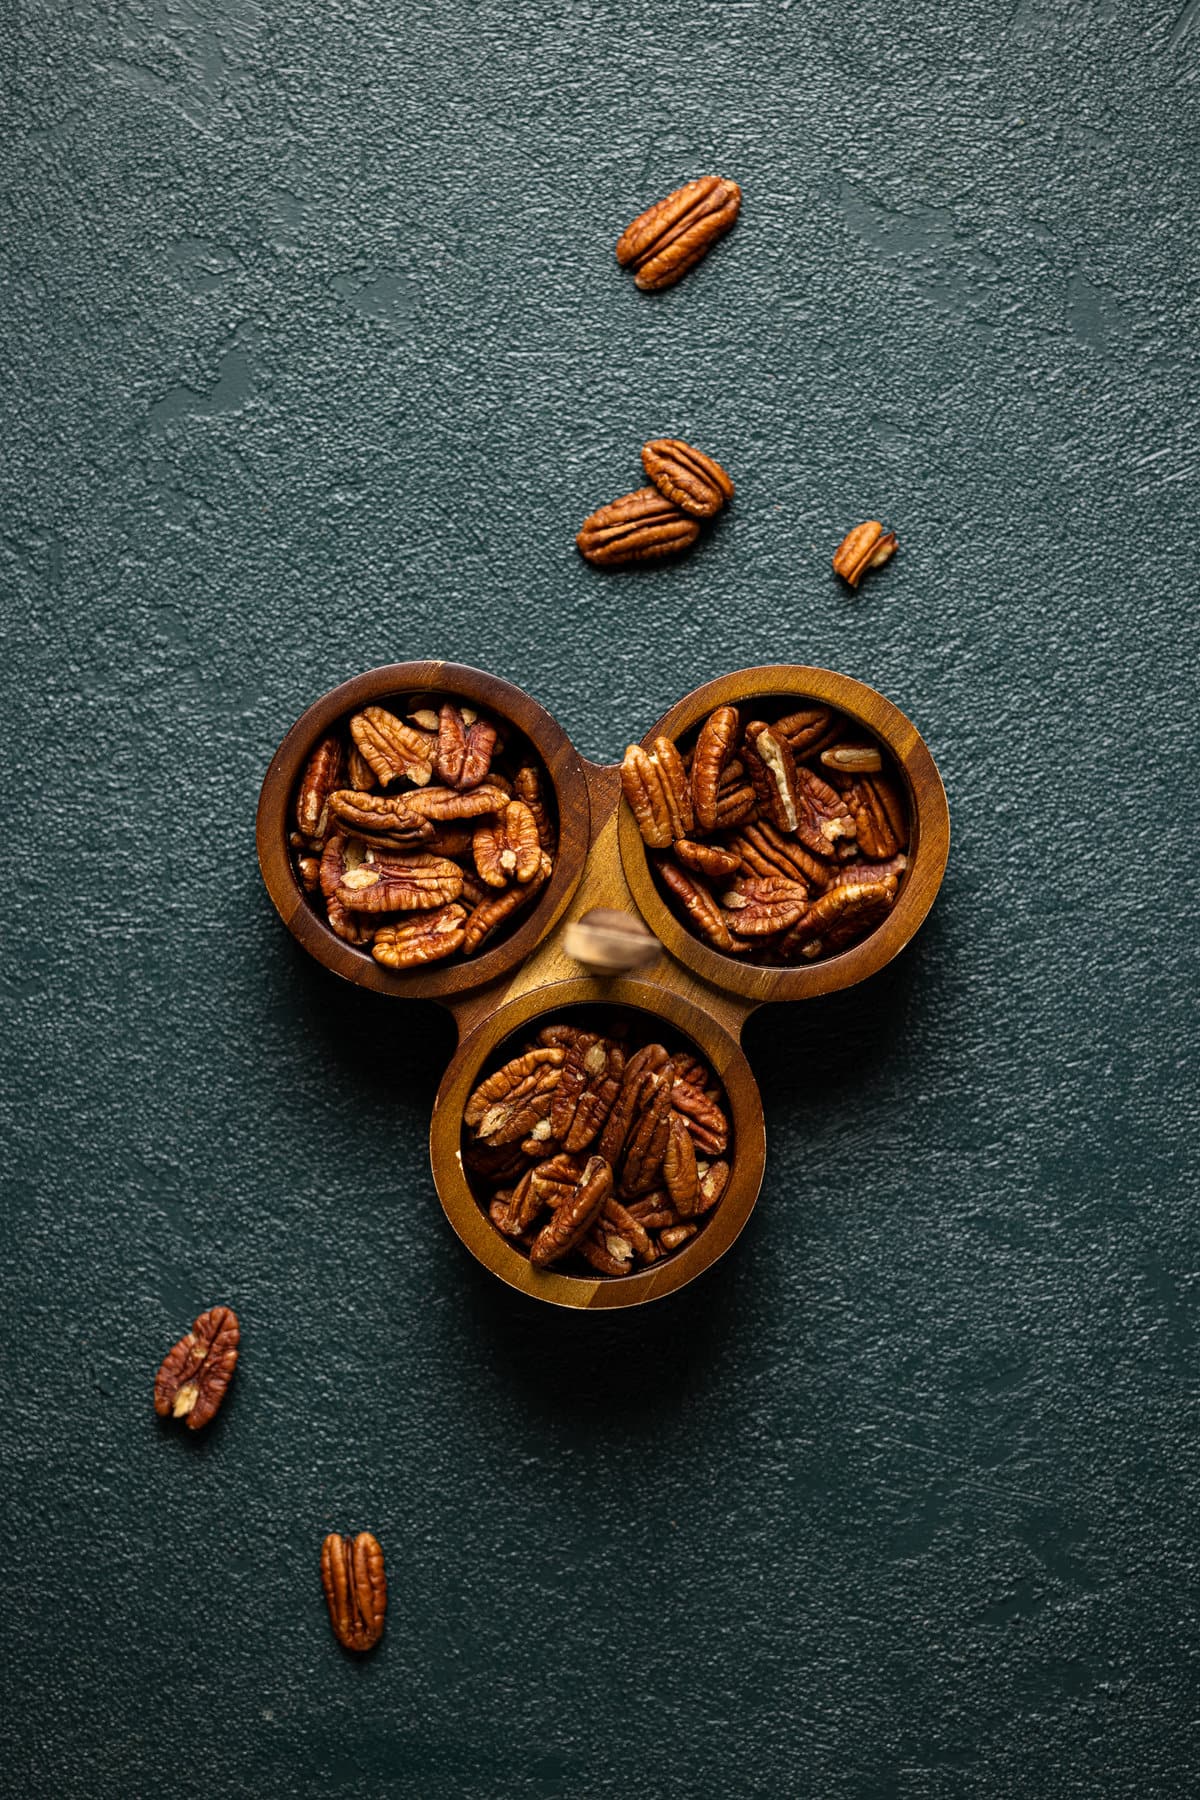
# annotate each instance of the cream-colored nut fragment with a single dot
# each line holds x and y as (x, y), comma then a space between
(857, 759)
(608, 942)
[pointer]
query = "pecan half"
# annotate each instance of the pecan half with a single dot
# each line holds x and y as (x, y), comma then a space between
(509, 849)
(809, 729)
(688, 477)
(670, 237)
(840, 917)
(521, 1075)
(866, 547)
(679, 1173)
(527, 787)
(464, 750)
(379, 818)
(573, 1220)
(359, 774)
(427, 938)
(714, 1178)
(352, 1574)
(392, 748)
(587, 1092)
(823, 817)
(340, 855)
(445, 804)
(699, 906)
(889, 870)
(657, 790)
(765, 851)
(322, 773)
(707, 859)
(638, 1078)
(196, 1371)
(704, 1117)
(765, 904)
(772, 768)
(634, 528)
(853, 759)
(410, 884)
(879, 815)
(646, 1148)
(489, 914)
(714, 748)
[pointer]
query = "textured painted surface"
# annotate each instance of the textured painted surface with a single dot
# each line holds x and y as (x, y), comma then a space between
(316, 356)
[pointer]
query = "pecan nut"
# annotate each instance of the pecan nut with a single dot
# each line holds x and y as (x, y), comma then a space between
(355, 1583)
(509, 849)
(699, 906)
(840, 917)
(670, 237)
(658, 792)
(392, 748)
(427, 938)
(497, 1100)
(340, 855)
(772, 769)
(878, 814)
(572, 1221)
(196, 1371)
(765, 904)
(322, 774)
(445, 804)
(635, 528)
(409, 884)
(707, 859)
(464, 747)
(866, 547)
(714, 750)
(384, 819)
(488, 915)
(587, 1092)
(685, 475)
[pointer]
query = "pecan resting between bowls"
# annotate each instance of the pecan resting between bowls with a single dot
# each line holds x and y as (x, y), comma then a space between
(778, 840)
(355, 1583)
(196, 1371)
(585, 1150)
(419, 834)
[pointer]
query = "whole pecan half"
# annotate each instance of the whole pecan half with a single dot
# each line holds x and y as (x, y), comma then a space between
(715, 746)
(196, 1371)
(703, 1115)
(392, 748)
(669, 238)
(685, 475)
(491, 913)
(646, 1146)
(765, 904)
(427, 938)
(383, 819)
(341, 854)
(527, 787)
(657, 790)
(464, 747)
(508, 849)
(445, 804)
(322, 774)
(853, 759)
(840, 917)
(679, 1172)
(355, 1583)
(640, 1072)
(403, 884)
(497, 1098)
(574, 1218)
(765, 851)
(634, 528)
(707, 859)
(699, 906)
(878, 814)
(587, 1092)
(866, 547)
(772, 769)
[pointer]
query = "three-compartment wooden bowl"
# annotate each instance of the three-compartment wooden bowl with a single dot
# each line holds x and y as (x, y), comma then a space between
(692, 992)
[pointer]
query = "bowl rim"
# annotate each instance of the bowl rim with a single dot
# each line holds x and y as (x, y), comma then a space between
(600, 1292)
(561, 761)
(928, 851)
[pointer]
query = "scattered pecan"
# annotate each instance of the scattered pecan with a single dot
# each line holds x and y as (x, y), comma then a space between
(685, 475)
(427, 938)
(670, 237)
(509, 849)
(392, 748)
(635, 528)
(355, 1584)
(866, 547)
(196, 1371)
(322, 774)
(580, 1107)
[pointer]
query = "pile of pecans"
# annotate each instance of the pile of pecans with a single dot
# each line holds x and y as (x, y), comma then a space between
(778, 841)
(419, 833)
(584, 1149)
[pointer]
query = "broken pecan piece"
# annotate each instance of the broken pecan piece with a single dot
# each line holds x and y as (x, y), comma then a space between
(196, 1371)
(685, 475)
(878, 813)
(427, 938)
(636, 527)
(574, 1218)
(866, 547)
(671, 236)
(352, 1574)
(392, 748)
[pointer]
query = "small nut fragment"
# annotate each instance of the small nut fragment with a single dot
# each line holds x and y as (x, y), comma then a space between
(607, 942)
(685, 475)
(352, 1574)
(635, 528)
(670, 237)
(866, 547)
(196, 1371)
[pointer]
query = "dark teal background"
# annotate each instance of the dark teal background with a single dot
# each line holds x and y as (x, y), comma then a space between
(316, 356)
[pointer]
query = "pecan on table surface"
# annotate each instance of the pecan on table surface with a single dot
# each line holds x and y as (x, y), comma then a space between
(868, 546)
(355, 1583)
(195, 1372)
(779, 837)
(671, 236)
(592, 1153)
(689, 489)
(421, 829)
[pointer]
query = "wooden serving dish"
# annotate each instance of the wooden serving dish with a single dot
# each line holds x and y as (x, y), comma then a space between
(696, 993)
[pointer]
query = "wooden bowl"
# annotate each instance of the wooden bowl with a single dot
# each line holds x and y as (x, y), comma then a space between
(657, 1009)
(563, 765)
(928, 848)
